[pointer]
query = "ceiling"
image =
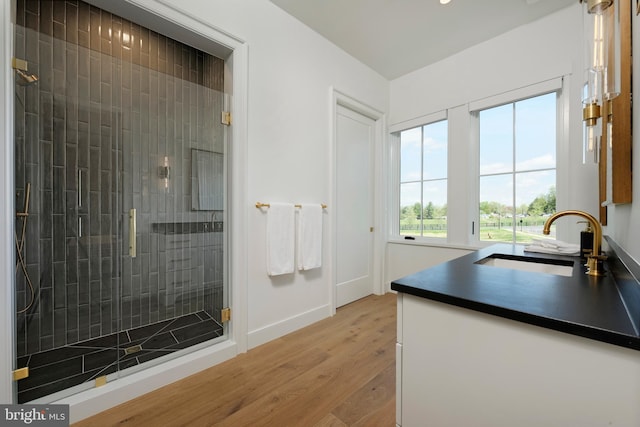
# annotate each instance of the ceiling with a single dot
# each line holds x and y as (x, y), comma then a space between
(395, 37)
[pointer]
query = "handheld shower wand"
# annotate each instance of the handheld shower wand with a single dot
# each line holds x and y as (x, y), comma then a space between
(21, 67)
(20, 245)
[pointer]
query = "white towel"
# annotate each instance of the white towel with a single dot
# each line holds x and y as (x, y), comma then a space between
(550, 246)
(310, 237)
(280, 238)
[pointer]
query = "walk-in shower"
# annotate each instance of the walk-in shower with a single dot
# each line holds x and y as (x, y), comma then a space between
(118, 145)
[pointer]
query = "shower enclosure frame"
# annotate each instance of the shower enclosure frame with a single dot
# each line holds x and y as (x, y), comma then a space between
(235, 53)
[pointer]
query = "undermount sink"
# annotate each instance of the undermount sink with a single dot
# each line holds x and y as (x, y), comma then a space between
(535, 265)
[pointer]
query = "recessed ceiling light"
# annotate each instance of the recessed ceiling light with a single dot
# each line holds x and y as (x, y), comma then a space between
(444, 1)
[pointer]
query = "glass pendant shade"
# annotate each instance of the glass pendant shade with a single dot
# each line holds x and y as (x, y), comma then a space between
(601, 29)
(592, 133)
(602, 49)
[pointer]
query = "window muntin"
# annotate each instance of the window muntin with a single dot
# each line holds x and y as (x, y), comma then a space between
(517, 163)
(423, 180)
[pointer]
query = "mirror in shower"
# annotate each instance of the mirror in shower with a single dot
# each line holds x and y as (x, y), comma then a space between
(207, 180)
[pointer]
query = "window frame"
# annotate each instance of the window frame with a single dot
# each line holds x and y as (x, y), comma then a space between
(513, 173)
(395, 183)
(463, 144)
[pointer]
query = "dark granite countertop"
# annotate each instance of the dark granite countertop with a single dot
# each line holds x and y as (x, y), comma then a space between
(582, 305)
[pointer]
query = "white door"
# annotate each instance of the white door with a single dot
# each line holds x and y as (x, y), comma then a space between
(355, 135)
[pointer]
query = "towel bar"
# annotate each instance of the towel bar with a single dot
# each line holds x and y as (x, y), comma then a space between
(267, 205)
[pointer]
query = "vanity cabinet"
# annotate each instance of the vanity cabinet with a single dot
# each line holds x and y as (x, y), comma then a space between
(460, 367)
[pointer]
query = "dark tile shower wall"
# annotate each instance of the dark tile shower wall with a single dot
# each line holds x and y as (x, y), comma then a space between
(113, 100)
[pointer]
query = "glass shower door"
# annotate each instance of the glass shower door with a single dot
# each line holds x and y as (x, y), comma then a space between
(120, 171)
(173, 201)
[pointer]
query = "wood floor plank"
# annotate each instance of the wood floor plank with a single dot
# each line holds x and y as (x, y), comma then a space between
(212, 401)
(368, 398)
(330, 420)
(316, 392)
(384, 416)
(339, 371)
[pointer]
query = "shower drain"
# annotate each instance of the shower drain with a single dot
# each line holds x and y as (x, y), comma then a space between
(132, 349)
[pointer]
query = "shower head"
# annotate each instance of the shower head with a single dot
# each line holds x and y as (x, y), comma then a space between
(26, 79)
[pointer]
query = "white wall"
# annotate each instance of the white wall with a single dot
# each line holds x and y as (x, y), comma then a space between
(407, 258)
(544, 49)
(291, 70)
(549, 48)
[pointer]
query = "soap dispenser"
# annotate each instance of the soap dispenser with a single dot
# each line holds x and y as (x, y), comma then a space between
(586, 241)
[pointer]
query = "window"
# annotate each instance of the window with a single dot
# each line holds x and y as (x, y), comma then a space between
(480, 172)
(423, 180)
(517, 169)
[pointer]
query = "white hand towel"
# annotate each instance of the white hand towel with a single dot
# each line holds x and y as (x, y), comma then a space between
(550, 246)
(280, 238)
(310, 237)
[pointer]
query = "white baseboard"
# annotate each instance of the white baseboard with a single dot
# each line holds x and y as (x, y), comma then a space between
(95, 400)
(278, 329)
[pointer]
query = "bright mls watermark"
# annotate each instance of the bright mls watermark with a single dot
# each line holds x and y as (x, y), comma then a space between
(34, 415)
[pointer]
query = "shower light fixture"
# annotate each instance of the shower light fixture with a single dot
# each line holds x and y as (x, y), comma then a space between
(164, 172)
(602, 53)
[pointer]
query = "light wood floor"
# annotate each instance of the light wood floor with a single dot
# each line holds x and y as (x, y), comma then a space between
(337, 372)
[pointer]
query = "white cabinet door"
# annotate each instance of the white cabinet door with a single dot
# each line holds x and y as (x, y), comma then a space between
(465, 368)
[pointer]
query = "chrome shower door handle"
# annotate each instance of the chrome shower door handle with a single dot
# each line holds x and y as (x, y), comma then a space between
(132, 233)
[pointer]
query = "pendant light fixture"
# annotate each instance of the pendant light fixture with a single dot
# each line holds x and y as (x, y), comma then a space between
(602, 53)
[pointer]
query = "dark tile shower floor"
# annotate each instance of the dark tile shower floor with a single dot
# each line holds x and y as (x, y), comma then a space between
(55, 370)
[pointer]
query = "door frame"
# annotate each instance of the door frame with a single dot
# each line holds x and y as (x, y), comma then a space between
(193, 30)
(7, 211)
(339, 98)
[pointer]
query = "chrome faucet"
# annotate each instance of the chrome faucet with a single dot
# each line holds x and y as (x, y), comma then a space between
(594, 260)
